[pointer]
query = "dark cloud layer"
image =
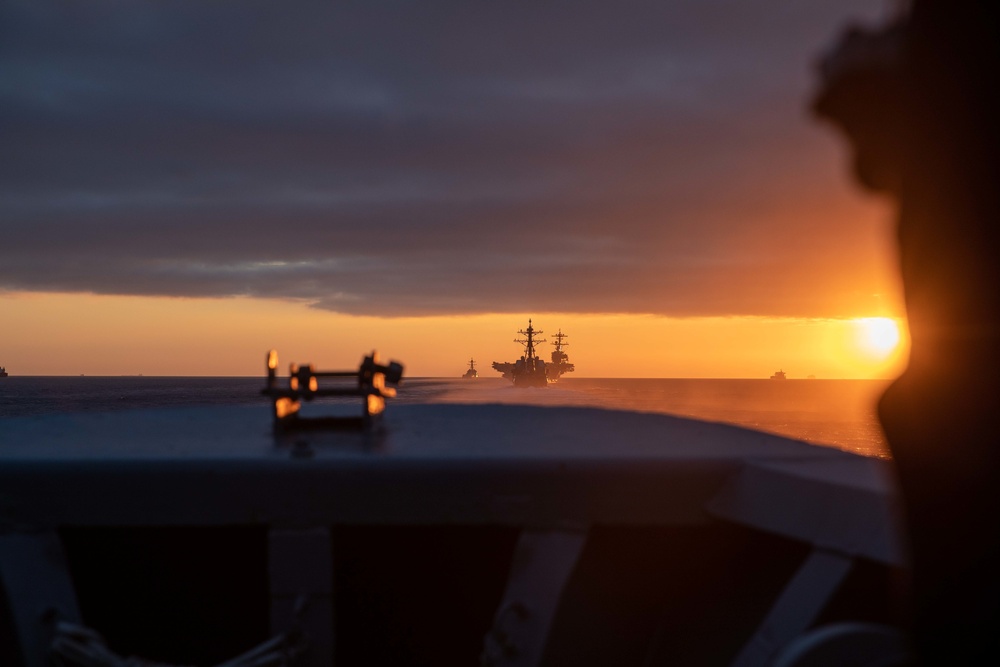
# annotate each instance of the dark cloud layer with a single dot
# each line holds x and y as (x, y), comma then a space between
(424, 158)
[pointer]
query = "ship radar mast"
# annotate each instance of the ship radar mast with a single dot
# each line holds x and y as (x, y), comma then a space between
(529, 340)
(559, 341)
(560, 358)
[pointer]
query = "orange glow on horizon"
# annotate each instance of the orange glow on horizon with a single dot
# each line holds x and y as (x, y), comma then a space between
(66, 334)
(879, 336)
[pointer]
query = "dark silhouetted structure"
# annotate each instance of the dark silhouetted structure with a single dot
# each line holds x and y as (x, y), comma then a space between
(560, 364)
(530, 369)
(918, 101)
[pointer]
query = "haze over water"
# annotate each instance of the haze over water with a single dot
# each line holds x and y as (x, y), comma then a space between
(838, 413)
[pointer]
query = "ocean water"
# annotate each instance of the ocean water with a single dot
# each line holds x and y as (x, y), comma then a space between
(836, 413)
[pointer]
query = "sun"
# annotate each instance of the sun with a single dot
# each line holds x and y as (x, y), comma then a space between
(878, 336)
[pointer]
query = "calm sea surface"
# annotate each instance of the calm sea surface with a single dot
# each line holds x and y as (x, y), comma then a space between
(838, 413)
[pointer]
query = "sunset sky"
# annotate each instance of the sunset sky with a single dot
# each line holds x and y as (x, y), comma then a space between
(186, 184)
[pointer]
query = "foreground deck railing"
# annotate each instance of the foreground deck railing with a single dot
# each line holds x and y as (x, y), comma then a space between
(304, 385)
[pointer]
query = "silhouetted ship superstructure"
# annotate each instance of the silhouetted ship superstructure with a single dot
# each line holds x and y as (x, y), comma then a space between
(3, 372)
(505, 368)
(560, 363)
(778, 375)
(472, 372)
(530, 369)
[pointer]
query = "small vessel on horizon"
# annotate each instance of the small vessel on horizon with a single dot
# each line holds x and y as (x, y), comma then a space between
(3, 372)
(472, 372)
(530, 369)
(778, 375)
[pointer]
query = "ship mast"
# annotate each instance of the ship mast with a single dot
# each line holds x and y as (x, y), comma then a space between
(472, 364)
(559, 340)
(529, 341)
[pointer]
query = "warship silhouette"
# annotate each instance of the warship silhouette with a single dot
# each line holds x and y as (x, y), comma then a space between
(560, 363)
(530, 369)
(472, 372)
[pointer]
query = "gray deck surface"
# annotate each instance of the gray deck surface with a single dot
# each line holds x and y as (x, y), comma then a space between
(467, 464)
(455, 432)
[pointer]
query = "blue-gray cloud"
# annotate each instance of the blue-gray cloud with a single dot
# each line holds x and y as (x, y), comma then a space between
(425, 158)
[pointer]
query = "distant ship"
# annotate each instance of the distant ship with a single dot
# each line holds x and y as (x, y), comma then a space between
(472, 372)
(3, 372)
(778, 375)
(529, 370)
(560, 360)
